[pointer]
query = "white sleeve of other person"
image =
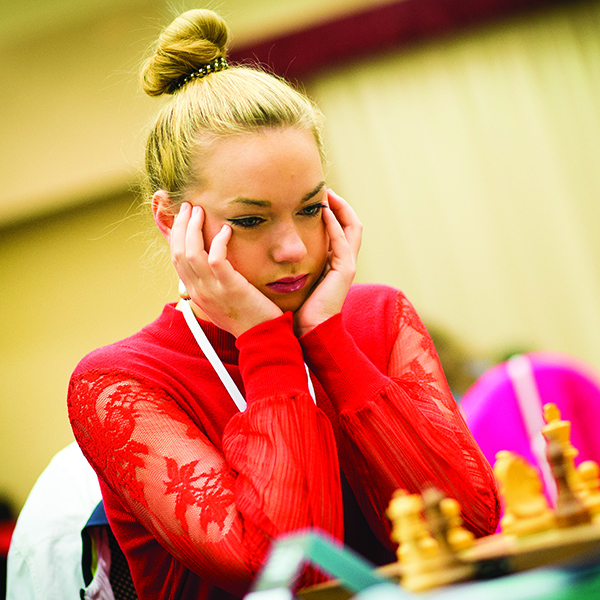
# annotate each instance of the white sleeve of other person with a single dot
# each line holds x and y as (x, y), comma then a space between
(44, 559)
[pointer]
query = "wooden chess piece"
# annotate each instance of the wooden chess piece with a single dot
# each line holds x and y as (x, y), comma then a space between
(425, 556)
(449, 568)
(443, 518)
(435, 518)
(409, 529)
(589, 491)
(570, 509)
(459, 538)
(559, 429)
(416, 547)
(526, 510)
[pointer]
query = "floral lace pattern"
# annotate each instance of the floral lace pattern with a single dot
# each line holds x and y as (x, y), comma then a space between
(193, 499)
(437, 443)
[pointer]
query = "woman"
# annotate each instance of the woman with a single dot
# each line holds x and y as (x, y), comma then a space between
(202, 464)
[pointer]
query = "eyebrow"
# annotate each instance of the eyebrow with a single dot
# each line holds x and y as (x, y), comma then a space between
(267, 203)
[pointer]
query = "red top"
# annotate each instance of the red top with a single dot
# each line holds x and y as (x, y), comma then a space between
(195, 491)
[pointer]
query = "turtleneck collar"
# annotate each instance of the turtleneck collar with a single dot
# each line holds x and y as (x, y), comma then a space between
(173, 331)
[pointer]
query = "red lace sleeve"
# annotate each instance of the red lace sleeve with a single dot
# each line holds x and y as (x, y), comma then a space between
(215, 511)
(402, 428)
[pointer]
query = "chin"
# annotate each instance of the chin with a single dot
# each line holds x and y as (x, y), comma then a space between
(289, 306)
(290, 303)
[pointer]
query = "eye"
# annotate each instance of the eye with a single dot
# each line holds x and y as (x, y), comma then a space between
(247, 222)
(314, 210)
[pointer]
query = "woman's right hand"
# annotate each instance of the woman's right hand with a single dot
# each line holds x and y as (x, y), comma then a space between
(225, 296)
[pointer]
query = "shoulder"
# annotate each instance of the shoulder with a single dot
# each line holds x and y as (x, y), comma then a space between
(376, 291)
(375, 300)
(380, 303)
(117, 355)
(370, 315)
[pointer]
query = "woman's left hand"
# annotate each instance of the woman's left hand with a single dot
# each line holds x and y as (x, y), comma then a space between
(326, 299)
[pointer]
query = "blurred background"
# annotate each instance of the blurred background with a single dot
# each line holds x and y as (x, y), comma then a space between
(466, 134)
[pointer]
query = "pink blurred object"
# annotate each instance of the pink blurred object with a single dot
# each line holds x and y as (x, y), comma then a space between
(504, 408)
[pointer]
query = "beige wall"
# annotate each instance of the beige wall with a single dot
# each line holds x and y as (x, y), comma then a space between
(473, 172)
(473, 163)
(70, 283)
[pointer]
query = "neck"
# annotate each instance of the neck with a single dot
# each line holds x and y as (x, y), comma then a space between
(198, 312)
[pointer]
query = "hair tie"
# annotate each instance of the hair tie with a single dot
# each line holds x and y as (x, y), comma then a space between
(219, 64)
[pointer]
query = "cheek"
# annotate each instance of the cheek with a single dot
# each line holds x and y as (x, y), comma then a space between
(243, 256)
(321, 244)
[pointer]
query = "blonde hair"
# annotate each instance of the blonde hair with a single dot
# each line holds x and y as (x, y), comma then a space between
(234, 101)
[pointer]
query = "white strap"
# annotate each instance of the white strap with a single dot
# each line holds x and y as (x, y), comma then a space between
(216, 362)
(210, 353)
(521, 375)
(311, 389)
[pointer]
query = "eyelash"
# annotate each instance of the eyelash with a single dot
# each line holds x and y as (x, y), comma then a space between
(318, 207)
(314, 210)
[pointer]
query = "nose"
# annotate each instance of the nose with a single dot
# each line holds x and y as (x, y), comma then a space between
(288, 245)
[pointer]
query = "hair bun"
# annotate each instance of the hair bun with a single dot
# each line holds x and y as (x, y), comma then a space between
(195, 38)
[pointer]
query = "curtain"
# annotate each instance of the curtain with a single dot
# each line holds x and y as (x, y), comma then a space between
(474, 164)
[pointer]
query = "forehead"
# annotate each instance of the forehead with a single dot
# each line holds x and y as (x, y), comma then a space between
(263, 162)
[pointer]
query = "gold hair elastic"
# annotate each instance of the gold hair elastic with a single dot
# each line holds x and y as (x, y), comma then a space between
(219, 64)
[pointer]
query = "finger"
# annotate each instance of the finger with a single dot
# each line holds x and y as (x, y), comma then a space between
(177, 239)
(217, 256)
(348, 220)
(340, 248)
(194, 242)
(187, 265)
(343, 211)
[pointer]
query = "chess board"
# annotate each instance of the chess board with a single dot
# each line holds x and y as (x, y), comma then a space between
(435, 550)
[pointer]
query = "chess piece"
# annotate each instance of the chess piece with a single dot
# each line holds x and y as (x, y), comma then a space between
(459, 538)
(526, 509)
(436, 519)
(570, 509)
(559, 429)
(409, 529)
(425, 556)
(589, 491)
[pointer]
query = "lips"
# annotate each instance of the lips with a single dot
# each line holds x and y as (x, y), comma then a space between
(287, 285)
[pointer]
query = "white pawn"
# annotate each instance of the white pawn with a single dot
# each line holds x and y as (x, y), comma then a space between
(459, 538)
(589, 491)
(526, 509)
